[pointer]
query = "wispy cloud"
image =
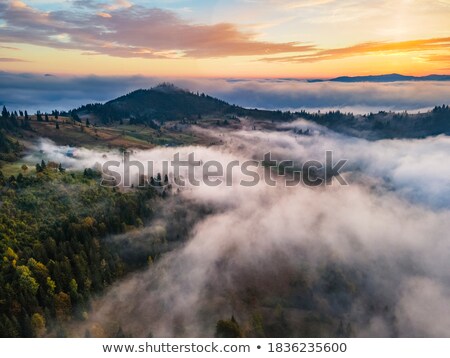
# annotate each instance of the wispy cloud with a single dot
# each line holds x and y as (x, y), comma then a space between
(123, 30)
(10, 48)
(295, 4)
(437, 58)
(368, 48)
(12, 59)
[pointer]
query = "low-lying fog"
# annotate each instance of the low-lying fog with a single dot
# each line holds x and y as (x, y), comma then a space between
(384, 239)
(38, 92)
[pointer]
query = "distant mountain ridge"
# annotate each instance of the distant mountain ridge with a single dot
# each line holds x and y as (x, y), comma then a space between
(393, 77)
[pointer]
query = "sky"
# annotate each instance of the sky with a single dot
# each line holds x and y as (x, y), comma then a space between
(245, 38)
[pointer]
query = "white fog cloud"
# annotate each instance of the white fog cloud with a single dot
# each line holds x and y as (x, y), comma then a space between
(36, 92)
(390, 226)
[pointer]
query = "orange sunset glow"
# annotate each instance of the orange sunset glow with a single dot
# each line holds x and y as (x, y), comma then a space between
(269, 38)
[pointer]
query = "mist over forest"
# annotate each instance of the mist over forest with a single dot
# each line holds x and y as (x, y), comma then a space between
(366, 260)
(85, 255)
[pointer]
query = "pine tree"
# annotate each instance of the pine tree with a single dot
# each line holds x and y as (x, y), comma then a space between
(5, 113)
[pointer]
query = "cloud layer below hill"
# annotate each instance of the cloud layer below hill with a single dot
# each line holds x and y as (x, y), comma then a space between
(48, 92)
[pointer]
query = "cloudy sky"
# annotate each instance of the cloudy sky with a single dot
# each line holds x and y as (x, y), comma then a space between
(246, 38)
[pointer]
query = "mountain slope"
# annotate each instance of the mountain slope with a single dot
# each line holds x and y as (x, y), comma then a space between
(167, 102)
(164, 102)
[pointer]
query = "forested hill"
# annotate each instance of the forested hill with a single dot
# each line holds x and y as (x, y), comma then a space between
(164, 102)
(167, 102)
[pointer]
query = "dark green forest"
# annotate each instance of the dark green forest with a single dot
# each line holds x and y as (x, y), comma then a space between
(53, 255)
(53, 226)
(56, 238)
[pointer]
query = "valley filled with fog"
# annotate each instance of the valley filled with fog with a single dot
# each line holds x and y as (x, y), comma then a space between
(367, 259)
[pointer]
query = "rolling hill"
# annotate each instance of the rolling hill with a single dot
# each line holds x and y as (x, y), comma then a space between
(163, 103)
(167, 102)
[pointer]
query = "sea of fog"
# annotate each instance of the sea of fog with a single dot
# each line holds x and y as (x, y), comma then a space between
(48, 92)
(390, 225)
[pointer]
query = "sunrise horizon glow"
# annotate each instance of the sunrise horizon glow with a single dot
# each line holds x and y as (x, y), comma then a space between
(225, 39)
